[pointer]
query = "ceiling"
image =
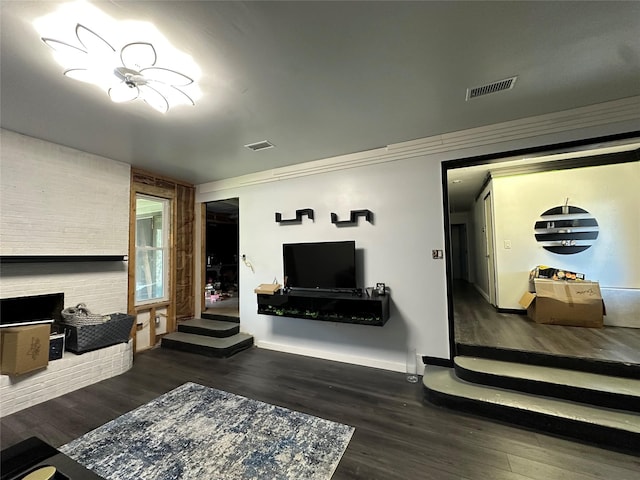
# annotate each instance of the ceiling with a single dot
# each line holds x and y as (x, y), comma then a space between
(320, 79)
(464, 185)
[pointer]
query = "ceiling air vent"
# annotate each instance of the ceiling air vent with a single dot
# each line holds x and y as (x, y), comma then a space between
(262, 145)
(506, 84)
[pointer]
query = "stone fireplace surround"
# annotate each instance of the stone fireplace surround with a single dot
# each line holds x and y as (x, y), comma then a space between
(63, 375)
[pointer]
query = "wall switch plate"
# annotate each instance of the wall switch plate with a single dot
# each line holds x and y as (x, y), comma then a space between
(437, 254)
(507, 244)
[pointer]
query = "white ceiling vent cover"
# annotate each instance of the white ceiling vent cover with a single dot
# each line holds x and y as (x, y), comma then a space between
(506, 84)
(261, 145)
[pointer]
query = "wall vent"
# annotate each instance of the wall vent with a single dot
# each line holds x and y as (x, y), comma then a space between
(261, 145)
(506, 84)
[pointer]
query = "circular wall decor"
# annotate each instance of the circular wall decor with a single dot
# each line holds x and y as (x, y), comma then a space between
(566, 230)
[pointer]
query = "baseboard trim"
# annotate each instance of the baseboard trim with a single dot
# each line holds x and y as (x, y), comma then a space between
(323, 354)
(516, 311)
(437, 361)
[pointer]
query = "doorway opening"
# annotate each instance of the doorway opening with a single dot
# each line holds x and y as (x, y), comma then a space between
(221, 294)
(460, 252)
(482, 314)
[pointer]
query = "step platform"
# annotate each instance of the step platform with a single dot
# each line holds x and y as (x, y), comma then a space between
(606, 427)
(209, 328)
(221, 317)
(206, 345)
(594, 389)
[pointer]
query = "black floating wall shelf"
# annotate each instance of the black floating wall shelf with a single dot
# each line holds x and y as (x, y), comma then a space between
(299, 214)
(62, 258)
(353, 218)
(566, 230)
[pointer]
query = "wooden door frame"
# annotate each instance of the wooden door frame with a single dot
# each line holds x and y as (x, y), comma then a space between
(181, 242)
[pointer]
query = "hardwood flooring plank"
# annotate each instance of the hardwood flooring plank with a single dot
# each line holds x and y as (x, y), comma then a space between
(397, 436)
(538, 470)
(478, 323)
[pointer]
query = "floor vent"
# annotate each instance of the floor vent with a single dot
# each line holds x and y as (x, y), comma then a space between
(262, 145)
(506, 84)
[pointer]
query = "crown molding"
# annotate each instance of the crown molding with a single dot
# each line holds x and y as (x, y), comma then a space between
(623, 110)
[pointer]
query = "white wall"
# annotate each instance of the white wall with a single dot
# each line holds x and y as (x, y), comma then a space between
(58, 201)
(609, 192)
(401, 184)
(396, 250)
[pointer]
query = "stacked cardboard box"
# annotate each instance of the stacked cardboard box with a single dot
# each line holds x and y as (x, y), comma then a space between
(564, 302)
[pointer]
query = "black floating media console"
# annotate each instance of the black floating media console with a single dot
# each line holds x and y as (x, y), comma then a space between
(353, 218)
(356, 307)
(299, 214)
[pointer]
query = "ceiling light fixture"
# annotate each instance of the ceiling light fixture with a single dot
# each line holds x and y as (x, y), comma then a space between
(125, 73)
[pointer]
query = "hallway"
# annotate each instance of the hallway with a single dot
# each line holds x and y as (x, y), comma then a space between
(479, 323)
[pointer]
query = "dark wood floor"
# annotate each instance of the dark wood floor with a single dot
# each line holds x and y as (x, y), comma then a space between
(478, 323)
(397, 436)
(229, 307)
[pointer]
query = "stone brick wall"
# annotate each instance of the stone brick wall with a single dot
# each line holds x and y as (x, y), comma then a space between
(64, 375)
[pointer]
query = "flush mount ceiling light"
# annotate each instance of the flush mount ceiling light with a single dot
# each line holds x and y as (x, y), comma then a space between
(128, 71)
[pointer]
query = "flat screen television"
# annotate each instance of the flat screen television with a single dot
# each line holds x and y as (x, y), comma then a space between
(321, 265)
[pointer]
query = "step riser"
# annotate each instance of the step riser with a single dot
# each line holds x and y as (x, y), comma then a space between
(207, 351)
(566, 392)
(208, 332)
(223, 318)
(622, 441)
(601, 367)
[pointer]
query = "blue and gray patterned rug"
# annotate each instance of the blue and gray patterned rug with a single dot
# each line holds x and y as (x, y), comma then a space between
(196, 432)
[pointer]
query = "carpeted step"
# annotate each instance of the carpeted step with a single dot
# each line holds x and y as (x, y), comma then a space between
(209, 328)
(222, 318)
(616, 429)
(591, 388)
(209, 346)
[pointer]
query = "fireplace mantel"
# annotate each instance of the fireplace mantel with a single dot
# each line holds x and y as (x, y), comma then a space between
(61, 258)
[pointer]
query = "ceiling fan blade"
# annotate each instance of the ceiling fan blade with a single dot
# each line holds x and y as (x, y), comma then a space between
(81, 74)
(63, 47)
(173, 95)
(66, 55)
(123, 93)
(154, 98)
(166, 75)
(139, 55)
(94, 43)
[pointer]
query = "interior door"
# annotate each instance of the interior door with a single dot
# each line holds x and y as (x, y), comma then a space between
(489, 253)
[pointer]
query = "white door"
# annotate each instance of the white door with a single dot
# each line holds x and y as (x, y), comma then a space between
(489, 254)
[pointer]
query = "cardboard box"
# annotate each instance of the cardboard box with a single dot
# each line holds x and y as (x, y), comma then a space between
(267, 288)
(24, 349)
(557, 302)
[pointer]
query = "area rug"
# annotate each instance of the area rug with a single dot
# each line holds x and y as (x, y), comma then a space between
(196, 432)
